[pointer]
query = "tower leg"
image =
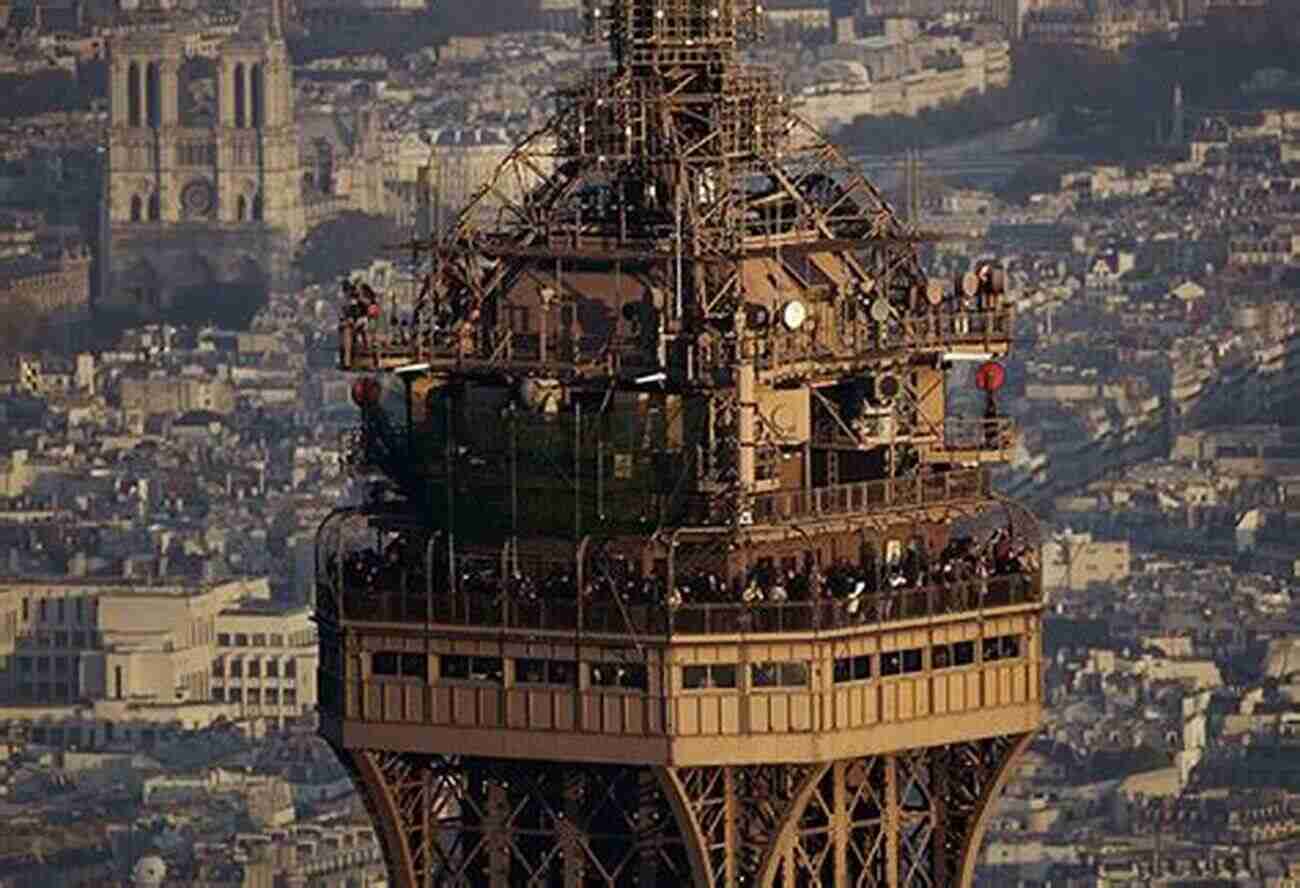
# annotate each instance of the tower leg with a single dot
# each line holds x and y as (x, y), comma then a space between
(912, 819)
(449, 822)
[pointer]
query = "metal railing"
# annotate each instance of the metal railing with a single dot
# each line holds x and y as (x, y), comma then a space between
(995, 434)
(890, 493)
(379, 347)
(459, 610)
(953, 433)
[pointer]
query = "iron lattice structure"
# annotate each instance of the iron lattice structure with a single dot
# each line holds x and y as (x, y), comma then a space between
(686, 566)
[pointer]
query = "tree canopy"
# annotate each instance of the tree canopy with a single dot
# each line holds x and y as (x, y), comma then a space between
(349, 241)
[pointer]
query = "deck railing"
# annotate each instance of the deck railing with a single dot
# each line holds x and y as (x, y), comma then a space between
(922, 490)
(380, 347)
(438, 608)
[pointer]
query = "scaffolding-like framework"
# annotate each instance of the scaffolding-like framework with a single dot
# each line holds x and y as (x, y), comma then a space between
(685, 572)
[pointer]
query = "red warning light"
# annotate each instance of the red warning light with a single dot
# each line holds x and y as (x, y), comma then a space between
(365, 392)
(990, 376)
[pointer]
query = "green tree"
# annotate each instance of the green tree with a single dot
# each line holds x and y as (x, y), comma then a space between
(334, 248)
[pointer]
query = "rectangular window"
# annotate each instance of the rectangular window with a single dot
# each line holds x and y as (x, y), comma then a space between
(458, 667)
(1002, 647)
(700, 678)
(290, 697)
(399, 665)
(901, 662)
(254, 668)
(272, 668)
(259, 640)
(553, 672)
(236, 668)
(277, 640)
(43, 610)
(219, 695)
(778, 675)
(290, 668)
(235, 695)
(223, 639)
(913, 661)
(218, 669)
(241, 640)
(254, 697)
(632, 676)
(271, 696)
(947, 656)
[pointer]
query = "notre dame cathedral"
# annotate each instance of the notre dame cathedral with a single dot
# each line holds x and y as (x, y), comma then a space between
(207, 193)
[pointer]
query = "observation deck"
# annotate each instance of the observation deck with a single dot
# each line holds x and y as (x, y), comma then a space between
(840, 665)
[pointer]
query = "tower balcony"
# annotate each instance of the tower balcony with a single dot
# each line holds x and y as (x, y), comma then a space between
(956, 439)
(686, 685)
(776, 353)
(931, 490)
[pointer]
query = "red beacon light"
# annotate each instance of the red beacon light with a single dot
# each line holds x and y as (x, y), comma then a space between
(365, 392)
(990, 376)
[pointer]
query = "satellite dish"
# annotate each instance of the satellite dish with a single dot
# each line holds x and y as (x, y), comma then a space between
(934, 292)
(990, 376)
(794, 314)
(970, 283)
(879, 309)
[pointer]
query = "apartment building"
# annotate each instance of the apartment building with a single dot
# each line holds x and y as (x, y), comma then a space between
(103, 662)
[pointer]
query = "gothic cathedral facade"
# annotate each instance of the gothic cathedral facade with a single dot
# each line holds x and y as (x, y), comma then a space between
(204, 180)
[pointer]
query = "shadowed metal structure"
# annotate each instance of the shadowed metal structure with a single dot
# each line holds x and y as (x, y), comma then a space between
(685, 566)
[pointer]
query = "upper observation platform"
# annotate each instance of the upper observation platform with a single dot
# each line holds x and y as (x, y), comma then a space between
(689, 648)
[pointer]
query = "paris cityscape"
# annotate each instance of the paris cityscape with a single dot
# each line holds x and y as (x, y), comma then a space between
(599, 443)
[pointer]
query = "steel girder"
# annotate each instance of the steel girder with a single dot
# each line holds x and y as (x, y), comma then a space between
(909, 819)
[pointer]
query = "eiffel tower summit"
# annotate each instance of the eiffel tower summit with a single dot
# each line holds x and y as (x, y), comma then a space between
(681, 563)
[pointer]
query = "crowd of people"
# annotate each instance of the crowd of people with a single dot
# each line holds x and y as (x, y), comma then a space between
(964, 574)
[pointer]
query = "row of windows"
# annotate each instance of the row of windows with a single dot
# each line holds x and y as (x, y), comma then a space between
(76, 640)
(491, 670)
(260, 639)
(769, 674)
(59, 610)
(144, 95)
(256, 696)
(45, 665)
(196, 154)
(942, 656)
(245, 210)
(46, 692)
(240, 668)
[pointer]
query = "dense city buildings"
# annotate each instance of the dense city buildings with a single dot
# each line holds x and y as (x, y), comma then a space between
(162, 482)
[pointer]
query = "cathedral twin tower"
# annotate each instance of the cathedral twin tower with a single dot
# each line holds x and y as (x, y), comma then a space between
(204, 192)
